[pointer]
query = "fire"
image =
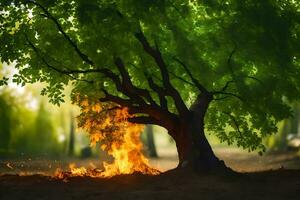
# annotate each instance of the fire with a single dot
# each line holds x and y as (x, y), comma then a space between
(107, 124)
(127, 154)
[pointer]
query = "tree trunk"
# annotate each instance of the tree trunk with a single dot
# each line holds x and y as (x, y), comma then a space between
(72, 137)
(295, 120)
(150, 142)
(193, 148)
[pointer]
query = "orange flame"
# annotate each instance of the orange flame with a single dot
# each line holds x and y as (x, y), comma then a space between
(107, 124)
(127, 153)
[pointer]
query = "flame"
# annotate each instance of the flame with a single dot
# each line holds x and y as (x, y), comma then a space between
(107, 124)
(127, 154)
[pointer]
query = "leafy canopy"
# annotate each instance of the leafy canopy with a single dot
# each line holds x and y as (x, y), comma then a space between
(247, 52)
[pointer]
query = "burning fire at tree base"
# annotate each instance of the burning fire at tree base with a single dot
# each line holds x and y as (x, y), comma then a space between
(107, 124)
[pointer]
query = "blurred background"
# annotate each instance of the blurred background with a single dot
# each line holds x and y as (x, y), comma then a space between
(38, 137)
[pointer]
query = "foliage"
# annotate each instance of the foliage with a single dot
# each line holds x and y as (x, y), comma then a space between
(245, 52)
(23, 130)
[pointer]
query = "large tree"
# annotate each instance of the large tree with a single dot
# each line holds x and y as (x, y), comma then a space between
(228, 67)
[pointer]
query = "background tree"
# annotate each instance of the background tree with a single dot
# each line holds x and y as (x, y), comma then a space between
(5, 123)
(288, 129)
(71, 136)
(24, 124)
(5, 119)
(231, 65)
(150, 143)
(44, 131)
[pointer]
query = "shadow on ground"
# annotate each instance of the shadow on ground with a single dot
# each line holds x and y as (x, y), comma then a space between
(280, 184)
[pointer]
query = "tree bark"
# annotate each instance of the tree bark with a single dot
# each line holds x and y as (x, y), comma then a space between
(194, 149)
(192, 145)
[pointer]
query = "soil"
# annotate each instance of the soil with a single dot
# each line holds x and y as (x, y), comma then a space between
(273, 177)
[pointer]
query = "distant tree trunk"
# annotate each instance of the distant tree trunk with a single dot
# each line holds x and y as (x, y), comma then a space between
(5, 124)
(289, 126)
(72, 137)
(44, 141)
(279, 141)
(295, 120)
(150, 142)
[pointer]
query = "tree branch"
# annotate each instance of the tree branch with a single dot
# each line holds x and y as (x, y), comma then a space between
(115, 99)
(126, 88)
(226, 85)
(110, 109)
(156, 55)
(256, 79)
(61, 71)
(151, 120)
(128, 85)
(237, 127)
(83, 56)
(135, 94)
(221, 98)
(230, 57)
(144, 120)
(194, 80)
(182, 79)
(228, 93)
(160, 92)
(162, 117)
(232, 81)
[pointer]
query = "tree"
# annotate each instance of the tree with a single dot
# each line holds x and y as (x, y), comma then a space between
(295, 120)
(151, 147)
(228, 67)
(71, 136)
(44, 131)
(5, 123)
(286, 130)
(5, 118)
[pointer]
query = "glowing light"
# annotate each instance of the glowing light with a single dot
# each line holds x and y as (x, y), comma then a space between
(9, 166)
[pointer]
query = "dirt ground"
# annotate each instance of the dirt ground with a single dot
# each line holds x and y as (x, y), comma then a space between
(273, 176)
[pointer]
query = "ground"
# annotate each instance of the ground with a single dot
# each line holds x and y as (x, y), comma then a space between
(273, 176)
